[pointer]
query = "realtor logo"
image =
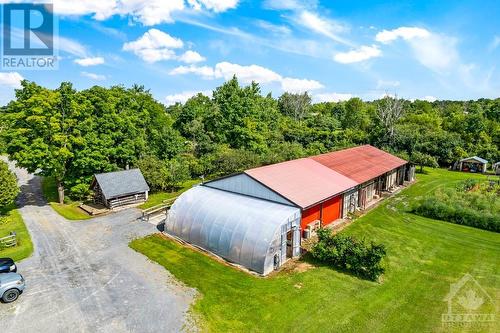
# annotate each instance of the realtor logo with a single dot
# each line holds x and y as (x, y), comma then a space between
(28, 32)
(469, 305)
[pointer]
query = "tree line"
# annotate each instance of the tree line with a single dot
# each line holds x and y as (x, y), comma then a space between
(71, 135)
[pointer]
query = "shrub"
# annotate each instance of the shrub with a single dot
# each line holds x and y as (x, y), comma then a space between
(479, 208)
(80, 191)
(349, 253)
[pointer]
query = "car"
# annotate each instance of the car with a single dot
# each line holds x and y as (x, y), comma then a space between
(7, 265)
(11, 286)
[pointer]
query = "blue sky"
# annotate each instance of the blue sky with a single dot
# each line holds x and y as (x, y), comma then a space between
(332, 49)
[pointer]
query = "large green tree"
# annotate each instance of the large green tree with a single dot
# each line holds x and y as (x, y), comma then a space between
(8, 185)
(43, 129)
(71, 135)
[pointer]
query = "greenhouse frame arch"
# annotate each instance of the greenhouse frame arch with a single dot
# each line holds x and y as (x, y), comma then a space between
(257, 234)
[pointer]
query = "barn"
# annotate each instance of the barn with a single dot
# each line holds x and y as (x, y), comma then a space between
(119, 188)
(257, 218)
(373, 169)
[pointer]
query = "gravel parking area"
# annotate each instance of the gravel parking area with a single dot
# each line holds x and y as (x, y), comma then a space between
(83, 277)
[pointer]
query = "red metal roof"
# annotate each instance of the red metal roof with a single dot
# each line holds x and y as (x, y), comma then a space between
(304, 182)
(361, 163)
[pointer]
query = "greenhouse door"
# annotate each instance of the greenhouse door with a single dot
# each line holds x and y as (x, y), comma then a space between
(289, 244)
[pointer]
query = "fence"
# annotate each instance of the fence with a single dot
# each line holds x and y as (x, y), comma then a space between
(157, 210)
(8, 241)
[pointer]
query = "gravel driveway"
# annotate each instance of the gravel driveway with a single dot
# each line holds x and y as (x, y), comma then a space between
(83, 277)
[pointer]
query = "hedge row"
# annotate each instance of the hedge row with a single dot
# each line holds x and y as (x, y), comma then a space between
(349, 253)
(457, 213)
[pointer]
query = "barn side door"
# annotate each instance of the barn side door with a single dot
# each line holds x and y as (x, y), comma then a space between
(362, 198)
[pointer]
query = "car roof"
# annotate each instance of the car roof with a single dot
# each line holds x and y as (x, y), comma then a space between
(2, 260)
(5, 277)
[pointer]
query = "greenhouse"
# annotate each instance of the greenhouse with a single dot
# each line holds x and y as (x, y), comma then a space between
(257, 234)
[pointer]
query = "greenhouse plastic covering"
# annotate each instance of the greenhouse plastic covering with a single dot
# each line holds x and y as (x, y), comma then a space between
(241, 229)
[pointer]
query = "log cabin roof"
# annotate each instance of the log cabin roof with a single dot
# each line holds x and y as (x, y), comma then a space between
(120, 183)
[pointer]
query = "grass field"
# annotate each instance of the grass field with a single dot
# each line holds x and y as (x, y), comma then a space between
(11, 220)
(158, 198)
(69, 209)
(424, 257)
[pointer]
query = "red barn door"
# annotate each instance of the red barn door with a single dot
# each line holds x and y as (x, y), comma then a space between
(331, 210)
(309, 215)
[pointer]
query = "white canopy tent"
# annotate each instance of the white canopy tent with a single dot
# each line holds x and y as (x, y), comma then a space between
(244, 230)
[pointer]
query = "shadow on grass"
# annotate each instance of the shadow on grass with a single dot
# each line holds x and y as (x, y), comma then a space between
(4, 211)
(309, 258)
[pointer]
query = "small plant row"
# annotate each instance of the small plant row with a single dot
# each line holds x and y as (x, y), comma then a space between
(471, 203)
(350, 254)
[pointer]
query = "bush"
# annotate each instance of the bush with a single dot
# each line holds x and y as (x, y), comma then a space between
(80, 191)
(470, 203)
(349, 253)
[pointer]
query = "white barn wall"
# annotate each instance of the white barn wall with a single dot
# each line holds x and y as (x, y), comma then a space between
(244, 184)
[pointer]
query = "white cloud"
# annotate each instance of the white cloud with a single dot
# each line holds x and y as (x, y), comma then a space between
(154, 39)
(151, 12)
(70, 46)
(100, 9)
(191, 57)
(435, 51)
(247, 74)
(10, 79)
(214, 5)
(288, 4)
(8, 82)
(322, 26)
(85, 62)
(429, 98)
(362, 53)
(183, 96)
(406, 33)
(93, 76)
(154, 45)
(147, 12)
(385, 84)
(299, 85)
(332, 97)
(494, 43)
(273, 28)
(206, 72)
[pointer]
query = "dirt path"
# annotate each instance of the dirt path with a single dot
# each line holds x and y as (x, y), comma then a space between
(83, 277)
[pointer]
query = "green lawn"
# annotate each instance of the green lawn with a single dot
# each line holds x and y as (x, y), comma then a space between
(11, 220)
(424, 257)
(69, 209)
(158, 198)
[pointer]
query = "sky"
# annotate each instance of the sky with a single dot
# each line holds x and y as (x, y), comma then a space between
(334, 50)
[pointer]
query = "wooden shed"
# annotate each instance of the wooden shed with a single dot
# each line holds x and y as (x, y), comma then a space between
(120, 188)
(472, 164)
